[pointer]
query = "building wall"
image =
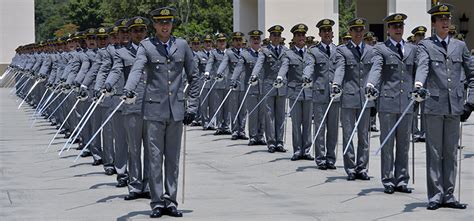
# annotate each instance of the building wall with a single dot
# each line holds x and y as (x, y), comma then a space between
(247, 12)
(17, 25)
(416, 12)
(460, 7)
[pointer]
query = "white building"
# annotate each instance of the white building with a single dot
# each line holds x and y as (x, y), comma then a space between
(17, 25)
(262, 14)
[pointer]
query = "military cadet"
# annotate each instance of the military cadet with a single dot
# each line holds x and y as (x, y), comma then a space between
(419, 127)
(265, 42)
(227, 66)
(291, 71)
(452, 31)
(352, 68)
(345, 38)
(440, 60)
(369, 38)
(310, 41)
(132, 114)
(319, 69)
(391, 80)
(220, 88)
(459, 37)
(411, 39)
(195, 44)
(202, 57)
(267, 67)
(244, 67)
(164, 58)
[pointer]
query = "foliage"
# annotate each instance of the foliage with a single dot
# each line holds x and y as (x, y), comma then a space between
(346, 13)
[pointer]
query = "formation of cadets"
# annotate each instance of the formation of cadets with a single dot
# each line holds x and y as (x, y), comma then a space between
(166, 81)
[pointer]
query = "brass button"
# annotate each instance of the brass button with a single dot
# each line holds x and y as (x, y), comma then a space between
(169, 93)
(449, 79)
(401, 90)
(169, 71)
(144, 82)
(169, 82)
(169, 60)
(401, 81)
(449, 89)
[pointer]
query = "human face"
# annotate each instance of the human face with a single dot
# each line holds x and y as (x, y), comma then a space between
(255, 42)
(275, 38)
(299, 39)
(326, 35)
(102, 41)
(441, 25)
(208, 45)
(237, 43)
(91, 43)
(221, 44)
(395, 31)
(196, 46)
(137, 34)
(124, 36)
(357, 34)
(419, 37)
(163, 29)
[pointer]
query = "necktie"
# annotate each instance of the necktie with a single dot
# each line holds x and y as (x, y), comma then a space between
(207, 53)
(300, 52)
(328, 50)
(358, 51)
(399, 50)
(445, 46)
(277, 51)
(165, 46)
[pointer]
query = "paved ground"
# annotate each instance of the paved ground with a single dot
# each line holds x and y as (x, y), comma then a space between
(226, 180)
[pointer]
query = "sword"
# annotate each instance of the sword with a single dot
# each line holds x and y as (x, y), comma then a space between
(62, 124)
(202, 89)
(209, 92)
(47, 104)
(40, 108)
(29, 92)
(261, 101)
(184, 163)
(219, 108)
(7, 71)
(98, 130)
(77, 126)
(17, 84)
(39, 103)
(59, 105)
(12, 79)
(413, 153)
(313, 150)
(21, 86)
(460, 158)
(85, 121)
(242, 104)
(355, 126)
(395, 126)
(291, 108)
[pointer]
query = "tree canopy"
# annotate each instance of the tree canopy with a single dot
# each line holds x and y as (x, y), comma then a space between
(57, 18)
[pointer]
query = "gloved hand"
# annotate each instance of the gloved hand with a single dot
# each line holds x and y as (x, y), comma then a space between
(371, 93)
(278, 83)
(188, 117)
(219, 77)
(234, 85)
(97, 95)
(42, 78)
(307, 82)
(253, 80)
(467, 112)
(336, 91)
(108, 90)
(207, 76)
(129, 97)
(49, 85)
(83, 95)
(66, 88)
(420, 94)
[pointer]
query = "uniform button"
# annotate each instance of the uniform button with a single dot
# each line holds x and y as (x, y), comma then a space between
(401, 81)
(401, 90)
(449, 89)
(448, 69)
(169, 93)
(169, 60)
(402, 71)
(449, 79)
(169, 82)
(144, 82)
(169, 71)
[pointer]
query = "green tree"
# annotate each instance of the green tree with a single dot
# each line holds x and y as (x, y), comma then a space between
(346, 13)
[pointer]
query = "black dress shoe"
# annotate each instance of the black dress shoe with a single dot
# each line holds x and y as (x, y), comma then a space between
(280, 148)
(271, 149)
(402, 189)
(218, 132)
(262, 142)
(110, 171)
(86, 154)
(374, 129)
(145, 195)
(308, 157)
(252, 142)
(234, 137)
(389, 189)
(455, 205)
(242, 137)
(67, 135)
(132, 196)
(53, 124)
(295, 157)
(227, 132)
(363, 176)
(433, 206)
(330, 166)
(172, 211)
(63, 131)
(322, 167)
(97, 162)
(351, 176)
(121, 183)
(156, 213)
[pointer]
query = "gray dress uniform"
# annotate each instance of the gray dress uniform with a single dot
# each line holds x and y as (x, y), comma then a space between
(164, 110)
(257, 119)
(204, 105)
(393, 75)
(320, 68)
(292, 72)
(132, 118)
(351, 73)
(219, 91)
(227, 66)
(267, 66)
(439, 70)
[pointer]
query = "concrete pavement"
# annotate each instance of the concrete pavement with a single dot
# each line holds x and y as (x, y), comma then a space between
(225, 180)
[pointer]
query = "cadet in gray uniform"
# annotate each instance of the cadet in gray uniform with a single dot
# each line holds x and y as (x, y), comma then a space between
(245, 66)
(164, 58)
(227, 66)
(419, 127)
(132, 114)
(440, 61)
(392, 74)
(354, 61)
(267, 67)
(195, 44)
(291, 71)
(319, 61)
(202, 57)
(220, 88)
